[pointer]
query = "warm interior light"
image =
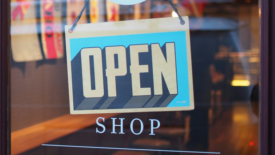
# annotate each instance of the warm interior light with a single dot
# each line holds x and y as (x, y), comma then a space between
(240, 83)
(251, 143)
(174, 14)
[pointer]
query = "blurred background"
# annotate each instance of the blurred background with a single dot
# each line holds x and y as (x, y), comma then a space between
(225, 43)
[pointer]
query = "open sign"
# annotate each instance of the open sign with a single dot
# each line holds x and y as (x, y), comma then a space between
(130, 67)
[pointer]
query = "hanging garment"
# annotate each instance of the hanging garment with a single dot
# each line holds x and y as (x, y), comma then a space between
(51, 28)
(112, 11)
(24, 33)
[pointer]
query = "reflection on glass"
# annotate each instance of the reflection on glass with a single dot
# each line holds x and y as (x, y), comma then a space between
(225, 58)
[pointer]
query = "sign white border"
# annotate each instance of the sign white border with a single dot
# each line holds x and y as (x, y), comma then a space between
(126, 28)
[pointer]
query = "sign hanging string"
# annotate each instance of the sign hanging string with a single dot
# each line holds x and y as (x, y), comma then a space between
(87, 2)
(177, 12)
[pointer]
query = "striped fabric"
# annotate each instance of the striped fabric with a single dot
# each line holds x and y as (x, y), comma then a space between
(51, 28)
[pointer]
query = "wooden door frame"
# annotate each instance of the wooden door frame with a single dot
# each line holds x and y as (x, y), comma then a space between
(267, 108)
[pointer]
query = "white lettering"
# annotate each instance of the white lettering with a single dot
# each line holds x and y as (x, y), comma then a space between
(111, 71)
(165, 68)
(154, 127)
(101, 125)
(119, 125)
(132, 126)
(136, 69)
(86, 72)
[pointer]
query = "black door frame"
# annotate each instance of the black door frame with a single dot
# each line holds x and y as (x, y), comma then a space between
(267, 96)
(4, 75)
(267, 108)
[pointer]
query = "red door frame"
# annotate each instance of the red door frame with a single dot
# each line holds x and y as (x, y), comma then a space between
(267, 108)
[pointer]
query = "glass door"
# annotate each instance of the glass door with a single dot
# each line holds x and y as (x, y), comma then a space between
(167, 86)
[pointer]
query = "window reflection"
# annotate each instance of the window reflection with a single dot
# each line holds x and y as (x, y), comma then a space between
(225, 57)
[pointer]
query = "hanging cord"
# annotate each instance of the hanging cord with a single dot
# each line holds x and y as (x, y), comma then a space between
(78, 17)
(87, 2)
(176, 10)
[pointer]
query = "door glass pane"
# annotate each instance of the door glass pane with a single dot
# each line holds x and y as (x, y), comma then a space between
(224, 74)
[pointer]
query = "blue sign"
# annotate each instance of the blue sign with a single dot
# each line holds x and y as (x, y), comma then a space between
(130, 72)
